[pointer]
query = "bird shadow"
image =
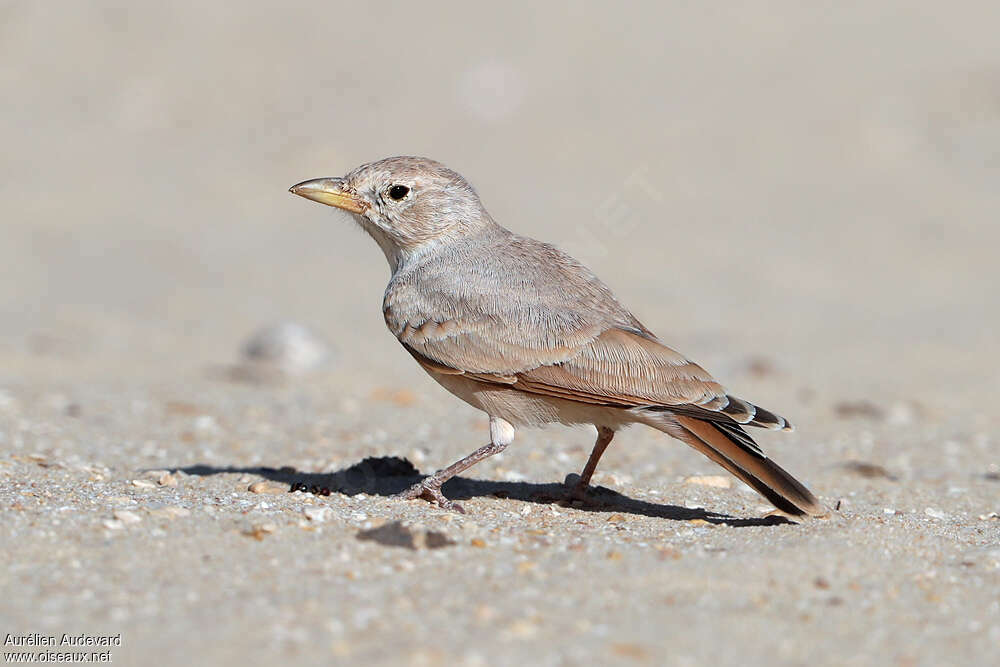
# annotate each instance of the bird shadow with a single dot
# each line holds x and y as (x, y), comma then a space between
(389, 475)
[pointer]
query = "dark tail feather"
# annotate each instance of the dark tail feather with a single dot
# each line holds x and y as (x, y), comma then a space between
(726, 409)
(733, 449)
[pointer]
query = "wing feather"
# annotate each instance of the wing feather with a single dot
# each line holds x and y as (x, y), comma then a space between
(530, 317)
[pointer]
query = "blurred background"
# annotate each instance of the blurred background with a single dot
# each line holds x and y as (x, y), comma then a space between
(816, 183)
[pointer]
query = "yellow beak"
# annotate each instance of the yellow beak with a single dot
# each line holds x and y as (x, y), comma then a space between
(329, 191)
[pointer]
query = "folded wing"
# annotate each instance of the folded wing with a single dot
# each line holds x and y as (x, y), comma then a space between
(617, 368)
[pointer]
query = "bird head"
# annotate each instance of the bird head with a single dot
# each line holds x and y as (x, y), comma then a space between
(409, 205)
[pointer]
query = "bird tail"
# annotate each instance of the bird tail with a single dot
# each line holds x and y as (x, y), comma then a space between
(732, 448)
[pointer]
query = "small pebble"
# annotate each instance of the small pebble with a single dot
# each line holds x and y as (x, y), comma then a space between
(864, 409)
(935, 513)
(716, 481)
(169, 512)
(166, 479)
(265, 487)
(127, 517)
(868, 470)
(666, 551)
(205, 424)
(317, 514)
(286, 347)
(259, 532)
(397, 534)
(143, 484)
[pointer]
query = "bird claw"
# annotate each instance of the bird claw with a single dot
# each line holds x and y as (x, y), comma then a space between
(580, 496)
(581, 492)
(578, 489)
(431, 494)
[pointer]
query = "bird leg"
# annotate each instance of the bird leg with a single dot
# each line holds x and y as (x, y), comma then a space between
(501, 435)
(604, 436)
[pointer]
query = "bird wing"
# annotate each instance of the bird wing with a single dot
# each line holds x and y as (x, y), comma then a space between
(627, 369)
(546, 325)
(617, 368)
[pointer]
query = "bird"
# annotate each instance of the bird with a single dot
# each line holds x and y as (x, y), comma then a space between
(525, 333)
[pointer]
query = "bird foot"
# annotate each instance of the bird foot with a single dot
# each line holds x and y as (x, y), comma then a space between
(580, 492)
(430, 493)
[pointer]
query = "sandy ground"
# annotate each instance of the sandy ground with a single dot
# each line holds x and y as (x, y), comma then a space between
(802, 199)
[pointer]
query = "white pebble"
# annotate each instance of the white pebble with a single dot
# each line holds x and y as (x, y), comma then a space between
(205, 424)
(317, 514)
(126, 516)
(169, 512)
(166, 479)
(716, 481)
(288, 347)
(267, 487)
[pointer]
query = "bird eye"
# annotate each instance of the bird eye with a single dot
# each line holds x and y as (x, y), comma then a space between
(397, 192)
